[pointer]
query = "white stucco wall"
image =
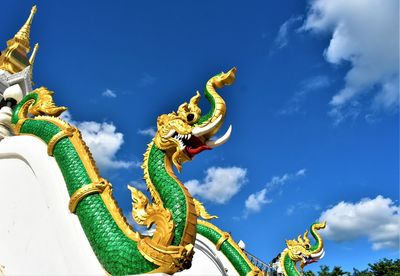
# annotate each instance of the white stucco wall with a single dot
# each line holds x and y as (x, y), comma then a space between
(38, 234)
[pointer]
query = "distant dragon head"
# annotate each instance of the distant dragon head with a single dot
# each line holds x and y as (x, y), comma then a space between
(301, 250)
(187, 132)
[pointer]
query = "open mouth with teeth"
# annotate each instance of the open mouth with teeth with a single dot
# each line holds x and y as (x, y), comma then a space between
(309, 260)
(191, 145)
(312, 258)
(194, 143)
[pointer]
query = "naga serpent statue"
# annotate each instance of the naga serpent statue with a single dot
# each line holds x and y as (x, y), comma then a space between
(180, 136)
(177, 217)
(301, 250)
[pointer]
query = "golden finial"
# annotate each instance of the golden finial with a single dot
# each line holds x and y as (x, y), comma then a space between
(14, 58)
(32, 59)
(33, 55)
(23, 34)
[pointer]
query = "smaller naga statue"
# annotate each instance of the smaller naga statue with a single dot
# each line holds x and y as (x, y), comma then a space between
(302, 251)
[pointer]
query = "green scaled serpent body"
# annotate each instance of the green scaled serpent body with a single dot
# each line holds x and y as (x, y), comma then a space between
(116, 252)
(171, 193)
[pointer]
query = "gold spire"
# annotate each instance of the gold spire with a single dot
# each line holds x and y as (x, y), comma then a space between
(14, 58)
(23, 34)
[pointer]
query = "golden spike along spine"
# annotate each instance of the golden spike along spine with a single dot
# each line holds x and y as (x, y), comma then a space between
(201, 210)
(154, 194)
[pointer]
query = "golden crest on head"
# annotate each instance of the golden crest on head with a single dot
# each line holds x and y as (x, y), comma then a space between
(299, 249)
(175, 127)
(186, 133)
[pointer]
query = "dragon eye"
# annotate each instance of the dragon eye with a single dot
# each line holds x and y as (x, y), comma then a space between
(190, 117)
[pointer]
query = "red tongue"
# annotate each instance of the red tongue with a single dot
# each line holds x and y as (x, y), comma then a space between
(197, 150)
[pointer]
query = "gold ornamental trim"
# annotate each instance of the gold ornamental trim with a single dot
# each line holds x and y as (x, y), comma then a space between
(221, 240)
(170, 259)
(68, 132)
(145, 166)
(17, 127)
(86, 190)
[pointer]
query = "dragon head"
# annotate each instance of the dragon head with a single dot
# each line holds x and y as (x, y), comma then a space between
(185, 133)
(301, 250)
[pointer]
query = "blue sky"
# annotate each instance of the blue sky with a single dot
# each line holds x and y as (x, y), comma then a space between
(314, 108)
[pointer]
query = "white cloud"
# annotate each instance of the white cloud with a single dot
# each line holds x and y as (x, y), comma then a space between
(308, 86)
(148, 131)
(109, 93)
(365, 34)
(282, 38)
(277, 181)
(103, 141)
(138, 184)
(301, 172)
(257, 200)
(377, 219)
(219, 185)
(66, 116)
